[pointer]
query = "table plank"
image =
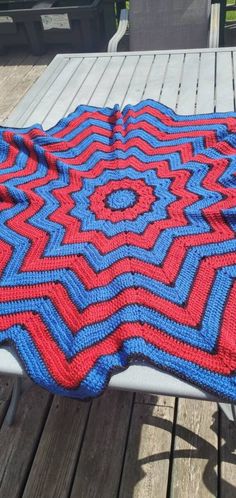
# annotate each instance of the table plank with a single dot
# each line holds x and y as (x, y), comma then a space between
(206, 83)
(106, 82)
(224, 82)
(139, 79)
(89, 85)
(169, 95)
(69, 93)
(121, 85)
(156, 77)
(188, 89)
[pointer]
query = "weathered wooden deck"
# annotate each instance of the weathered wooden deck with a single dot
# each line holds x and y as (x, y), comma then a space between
(121, 445)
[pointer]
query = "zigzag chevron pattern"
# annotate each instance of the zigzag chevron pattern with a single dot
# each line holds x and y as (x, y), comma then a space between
(118, 243)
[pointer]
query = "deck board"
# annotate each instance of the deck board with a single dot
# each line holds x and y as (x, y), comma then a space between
(33, 97)
(227, 432)
(60, 443)
(194, 471)
(147, 461)
(19, 442)
(101, 460)
(118, 448)
(5, 394)
(17, 77)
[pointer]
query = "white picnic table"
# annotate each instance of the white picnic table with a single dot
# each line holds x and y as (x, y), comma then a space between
(188, 81)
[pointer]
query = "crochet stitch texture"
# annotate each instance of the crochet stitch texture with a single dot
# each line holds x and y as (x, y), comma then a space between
(117, 242)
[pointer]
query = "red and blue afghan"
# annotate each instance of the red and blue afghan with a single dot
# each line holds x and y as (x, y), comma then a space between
(118, 243)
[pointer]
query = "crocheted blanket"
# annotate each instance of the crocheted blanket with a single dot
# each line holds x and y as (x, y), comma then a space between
(117, 243)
